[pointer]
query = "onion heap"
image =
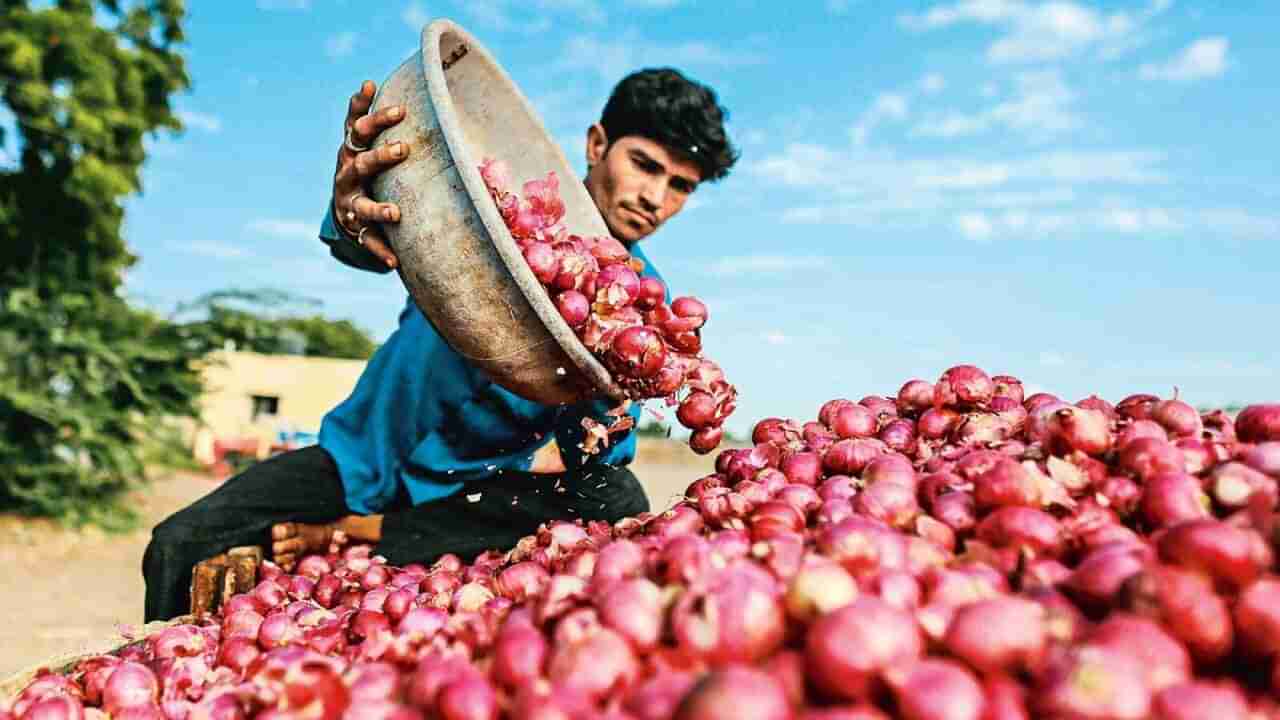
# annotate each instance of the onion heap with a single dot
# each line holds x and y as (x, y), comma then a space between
(652, 349)
(952, 552)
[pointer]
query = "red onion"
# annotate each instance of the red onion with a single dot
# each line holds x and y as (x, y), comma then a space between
(915, 396)
(963, 386)
(1185, 603)
(130, 685)
(1172, 497)
(1233, 484)
(936, 423)
(853, 421)
(634, 608)
(736, 617)
(889, 502)
(957, 510)
(420, 624)
(1141, 428)
(1075, 428)
(850, 456)
(636, 352)
(658, 697)
(1227, 554)
(1025, 529)
(697, 411)
(1164, 660)
(1094, 683)
(574, 307)
(1138, 406)
(1179, 418)
(1195, 700)
(1005, 634)
(598, 665)
(937, 690)
(1257, 617)
(847, 649)
(705, 440)
(1007, 482)
(819, 587)
(736, 692)
(1263, 457)
(1007, 386)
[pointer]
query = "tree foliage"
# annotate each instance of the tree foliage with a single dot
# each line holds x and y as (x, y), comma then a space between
(83, 375)
(269, 321)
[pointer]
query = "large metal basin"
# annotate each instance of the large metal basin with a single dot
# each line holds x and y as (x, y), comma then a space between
(457, 259)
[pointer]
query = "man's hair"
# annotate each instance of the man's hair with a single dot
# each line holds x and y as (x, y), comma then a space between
(663, 105)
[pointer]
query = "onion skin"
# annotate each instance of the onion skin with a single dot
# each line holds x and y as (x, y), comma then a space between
(1186, 605)
(847, 650)
(735, 693)
(937, 690)
(1005, 634)
(1227, 554)
(1024, 529)
(1006, 699)
(1165, 661)
(963, 386)
(1173, 497)
(1094, 683)
(1199, 700)
(1257, 618)
(1259, 423)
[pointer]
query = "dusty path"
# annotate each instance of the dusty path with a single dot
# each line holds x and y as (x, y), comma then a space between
(62, 590)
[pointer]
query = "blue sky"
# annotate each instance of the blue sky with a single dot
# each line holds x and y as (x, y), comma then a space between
(1081, 194)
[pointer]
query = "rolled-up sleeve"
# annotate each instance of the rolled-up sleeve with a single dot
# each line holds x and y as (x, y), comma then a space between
(348, 251)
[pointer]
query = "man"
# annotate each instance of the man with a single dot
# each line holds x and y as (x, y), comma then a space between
(428, 455)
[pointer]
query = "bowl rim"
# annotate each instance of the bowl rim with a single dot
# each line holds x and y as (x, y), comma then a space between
(466, 167)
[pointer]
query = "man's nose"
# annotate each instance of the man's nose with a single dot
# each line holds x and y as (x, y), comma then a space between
(653, 194)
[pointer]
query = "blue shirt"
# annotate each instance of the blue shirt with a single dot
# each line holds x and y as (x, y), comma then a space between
(424, 419)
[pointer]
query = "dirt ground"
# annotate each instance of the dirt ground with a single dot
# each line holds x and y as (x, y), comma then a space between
(64, 591)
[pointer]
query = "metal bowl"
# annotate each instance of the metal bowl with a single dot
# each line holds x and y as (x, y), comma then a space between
(457, 258)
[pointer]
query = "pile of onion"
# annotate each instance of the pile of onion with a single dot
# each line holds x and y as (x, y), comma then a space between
(651, 348)
(954, 551)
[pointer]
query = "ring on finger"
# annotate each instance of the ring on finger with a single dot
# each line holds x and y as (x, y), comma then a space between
(360, 235)
(350, 144)
(351, 205)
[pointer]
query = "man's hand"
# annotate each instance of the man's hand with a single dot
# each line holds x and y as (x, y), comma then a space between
(547, 459)
(356, 213)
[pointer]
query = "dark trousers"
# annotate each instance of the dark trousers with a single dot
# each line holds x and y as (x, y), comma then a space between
(304, 486)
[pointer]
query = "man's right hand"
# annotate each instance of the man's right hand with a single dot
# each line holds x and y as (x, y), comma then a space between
(358, 215)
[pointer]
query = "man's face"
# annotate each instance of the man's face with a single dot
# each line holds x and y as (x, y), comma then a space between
(637, 184)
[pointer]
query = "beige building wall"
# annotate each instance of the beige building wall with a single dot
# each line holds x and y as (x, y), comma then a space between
(299, 389)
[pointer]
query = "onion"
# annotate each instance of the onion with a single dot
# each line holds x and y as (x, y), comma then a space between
(1138, 406)
(1172, 497)
(889, 502)
(1007, 386)
(848, 649)
(1145, 457)
(736, 692)
(651, 294)
(1263, 457)
(963, 386)
(574, 307)
(1227, 554)
(130, 685)
(851, 455)
(597, 665)
(1004, 634)
(937, 690)
(1075, 428)
(1195, 700)
(697, 411)
(522, 581)
(1179, 418)
(1007, 482)
(736, 617)
(705, 440)
(957, 510)
(915, 396)
(634, 608)
(853, 421)
(1233, 484)
(1257, 617)
(818, 588)
(936, 423)
(658, 697)
(1185, 603)
(1025, 529)
(470, 697)
(1093, 682)
(421, 623)
(1164, 659)
(636, 352)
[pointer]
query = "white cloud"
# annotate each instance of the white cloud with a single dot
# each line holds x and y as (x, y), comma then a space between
(887, 106)
(1134, 220)
(286, 229)
(1036, 32)
(932, 83)
(340, 45)
(200, 121)
(215, 250)
(532, 17)
(618, 55)
(974, 225)
(1204, 58)
(775, 338)
(1043, 106)
(736, 265)
(284, 4)
(1235, 222)
(415, 16)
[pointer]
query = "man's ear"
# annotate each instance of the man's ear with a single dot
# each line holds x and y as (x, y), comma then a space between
(597, 144)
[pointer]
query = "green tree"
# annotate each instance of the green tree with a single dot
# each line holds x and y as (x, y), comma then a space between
(84, 376)
(269, 321)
